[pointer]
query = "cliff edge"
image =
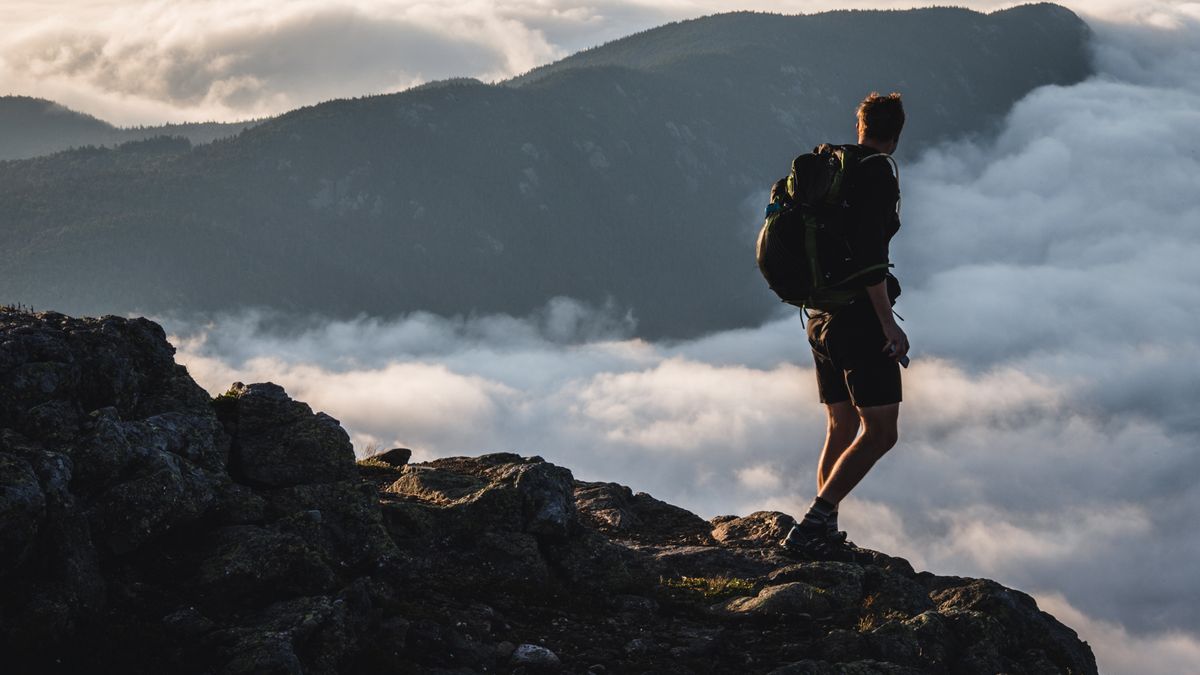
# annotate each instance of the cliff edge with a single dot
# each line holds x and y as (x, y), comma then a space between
(148, 527)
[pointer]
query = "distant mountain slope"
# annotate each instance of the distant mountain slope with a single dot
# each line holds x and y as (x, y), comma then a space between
(633, 171)
(32, 126)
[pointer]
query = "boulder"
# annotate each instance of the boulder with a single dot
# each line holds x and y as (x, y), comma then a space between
(761, 528)
(250, 561)
(22, 510)
(841, 582)
(277, 441)
(393, 457)
(501, 491)
(617, 511)
(536, 658)
(793, 599)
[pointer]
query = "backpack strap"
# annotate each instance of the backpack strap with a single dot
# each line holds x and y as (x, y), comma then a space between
(895, 172)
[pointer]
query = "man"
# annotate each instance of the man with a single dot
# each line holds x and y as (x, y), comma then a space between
(857, 348)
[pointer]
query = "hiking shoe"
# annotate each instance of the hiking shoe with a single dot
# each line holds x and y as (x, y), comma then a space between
(840, 537)
(817, 545)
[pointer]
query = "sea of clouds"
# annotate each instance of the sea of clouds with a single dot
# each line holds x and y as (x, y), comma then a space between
(1049, 435)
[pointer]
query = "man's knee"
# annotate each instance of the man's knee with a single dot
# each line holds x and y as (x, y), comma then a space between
(883, 439)
(880, 425)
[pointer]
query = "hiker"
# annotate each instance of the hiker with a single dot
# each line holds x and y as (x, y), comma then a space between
(858, 347)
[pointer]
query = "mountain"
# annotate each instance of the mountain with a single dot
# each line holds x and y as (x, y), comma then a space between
(147, 528)
(633, 173)
(32, 126)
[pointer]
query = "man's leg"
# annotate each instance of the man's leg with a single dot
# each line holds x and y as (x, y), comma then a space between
(839, 434)
(878, 436)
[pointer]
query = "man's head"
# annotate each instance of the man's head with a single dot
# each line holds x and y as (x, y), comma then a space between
(880, 120)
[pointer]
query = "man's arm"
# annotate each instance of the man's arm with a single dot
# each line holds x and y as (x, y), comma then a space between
(883, 309)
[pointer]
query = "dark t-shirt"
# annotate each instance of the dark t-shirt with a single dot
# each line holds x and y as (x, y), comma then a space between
(872, 192)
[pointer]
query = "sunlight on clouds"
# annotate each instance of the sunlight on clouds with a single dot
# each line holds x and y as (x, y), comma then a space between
(683, 406)
(760, 477)
(200, 60)
(1119, 651)
(992, 540)
(423, 406)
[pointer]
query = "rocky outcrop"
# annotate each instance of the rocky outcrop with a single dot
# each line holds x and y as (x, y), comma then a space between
(146, 527)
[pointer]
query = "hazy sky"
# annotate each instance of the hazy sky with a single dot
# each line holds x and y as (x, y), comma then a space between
(195, 60)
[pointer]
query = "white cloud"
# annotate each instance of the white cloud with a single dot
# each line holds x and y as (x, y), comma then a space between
(1119, 651)
(195, 60)
(760, 477)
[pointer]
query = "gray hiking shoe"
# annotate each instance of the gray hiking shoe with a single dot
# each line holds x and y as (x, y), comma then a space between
(818, 544)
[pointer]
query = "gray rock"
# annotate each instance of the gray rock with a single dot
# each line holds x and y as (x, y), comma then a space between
(615, 509)
(161, 492)
(22, 509)
(536, 658)
(501, 491)
(255, 561)
(761, 528)
(792, 599)
(277, 441)
(842, 582)
(394, 457)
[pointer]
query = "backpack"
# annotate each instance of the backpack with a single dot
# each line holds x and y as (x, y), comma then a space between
(803, 249)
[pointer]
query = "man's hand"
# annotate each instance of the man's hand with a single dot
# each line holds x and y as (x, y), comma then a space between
(897, 341)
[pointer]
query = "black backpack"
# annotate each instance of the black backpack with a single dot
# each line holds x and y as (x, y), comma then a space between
(803, 250)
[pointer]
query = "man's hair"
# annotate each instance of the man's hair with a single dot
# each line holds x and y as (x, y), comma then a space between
(881, 117)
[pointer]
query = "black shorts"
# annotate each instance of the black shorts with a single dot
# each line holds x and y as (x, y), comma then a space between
(847, 346)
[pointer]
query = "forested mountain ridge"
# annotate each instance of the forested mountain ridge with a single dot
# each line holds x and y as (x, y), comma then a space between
(631, 172)
(32, 126)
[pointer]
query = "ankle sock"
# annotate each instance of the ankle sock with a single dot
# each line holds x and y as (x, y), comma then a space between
(831, 522)
(818, 515)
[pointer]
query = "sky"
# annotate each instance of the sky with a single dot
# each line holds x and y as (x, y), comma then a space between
(151, 62)
(1049, 435)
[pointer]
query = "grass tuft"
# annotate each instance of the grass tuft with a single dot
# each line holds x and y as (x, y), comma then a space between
(708, 589)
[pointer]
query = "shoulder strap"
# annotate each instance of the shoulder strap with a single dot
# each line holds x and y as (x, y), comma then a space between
(895, 172)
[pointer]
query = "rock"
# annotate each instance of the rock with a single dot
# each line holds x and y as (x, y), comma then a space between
(994, 618)
(145, 527)
(394, 457)
(244, 561)
(710, 561)
(279, 442)
(640, 647)
(841, 582)
(536, 658)
(840, 645)
(22, 508)
(863, 667)
(502, 491)
(635, 605)
(615, 509)
(161, 492)
(590, 561)
(795, 599)
(895, 593)
(341, 519)
(761, 528)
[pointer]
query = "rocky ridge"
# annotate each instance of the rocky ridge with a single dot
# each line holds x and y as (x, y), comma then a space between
(147, 527)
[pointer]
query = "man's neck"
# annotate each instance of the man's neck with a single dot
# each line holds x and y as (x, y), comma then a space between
(877, 145)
